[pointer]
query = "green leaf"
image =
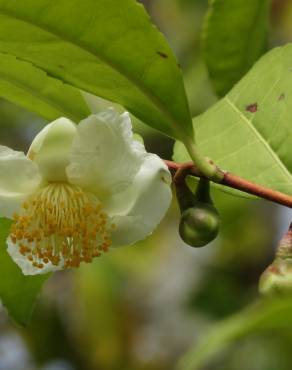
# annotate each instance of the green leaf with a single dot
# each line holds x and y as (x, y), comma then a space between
(31, 88)
(248, 132)
(235, 36)
(18, 293)
(264, 316)
(105, 47)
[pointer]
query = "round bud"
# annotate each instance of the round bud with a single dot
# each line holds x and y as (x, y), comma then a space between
(199, 225)
(277, 278)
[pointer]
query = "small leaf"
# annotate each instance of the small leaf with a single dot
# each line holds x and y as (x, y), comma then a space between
(235, 36)
(29, 87)
(18, 293)
(104, 47)
(248, 132)
(264, 316)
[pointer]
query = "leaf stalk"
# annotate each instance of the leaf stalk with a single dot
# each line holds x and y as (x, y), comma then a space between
(232, 181)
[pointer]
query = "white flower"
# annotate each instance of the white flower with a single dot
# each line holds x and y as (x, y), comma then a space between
(80, 190)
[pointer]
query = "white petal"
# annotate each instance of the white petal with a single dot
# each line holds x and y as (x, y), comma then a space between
(19, 178)
(148, 200)
(51, 148)
(105, 157)
(25, 265)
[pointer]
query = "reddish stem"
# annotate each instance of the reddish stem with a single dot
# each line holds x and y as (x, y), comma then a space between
(232, 181)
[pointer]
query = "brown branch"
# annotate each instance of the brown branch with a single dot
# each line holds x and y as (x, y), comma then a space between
(179, 172)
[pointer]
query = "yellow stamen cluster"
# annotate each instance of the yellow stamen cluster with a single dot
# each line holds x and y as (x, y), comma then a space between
(63, 225)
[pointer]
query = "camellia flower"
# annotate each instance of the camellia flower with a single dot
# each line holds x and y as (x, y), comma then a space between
(80, 190)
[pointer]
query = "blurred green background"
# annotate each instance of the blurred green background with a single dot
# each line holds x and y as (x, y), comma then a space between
(140, 307)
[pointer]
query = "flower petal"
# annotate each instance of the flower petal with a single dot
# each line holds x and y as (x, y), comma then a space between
(148, 199)
(105, 157)
(19, 178)
(25, 265)
(51, 148)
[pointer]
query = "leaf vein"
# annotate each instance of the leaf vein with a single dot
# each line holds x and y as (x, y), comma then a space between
(260, 139)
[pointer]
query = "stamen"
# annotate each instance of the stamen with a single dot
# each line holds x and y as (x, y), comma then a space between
(63, 225)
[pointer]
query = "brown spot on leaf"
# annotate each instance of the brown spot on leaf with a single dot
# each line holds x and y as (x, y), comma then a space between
(281, 97)
(163, 55)
(252, 107)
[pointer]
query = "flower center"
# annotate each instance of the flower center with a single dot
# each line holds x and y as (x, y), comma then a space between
(63, 225)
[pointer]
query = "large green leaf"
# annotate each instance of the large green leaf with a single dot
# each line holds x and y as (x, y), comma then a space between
(106, 47)
(31, 88)
(18, 293)
(235, 36)
(264, 316)
(249, 131)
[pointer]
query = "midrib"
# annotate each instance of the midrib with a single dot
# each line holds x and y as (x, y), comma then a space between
(40, 97)
(260, 138)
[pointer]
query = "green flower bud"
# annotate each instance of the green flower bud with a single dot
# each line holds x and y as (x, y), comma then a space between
(199, 225)
(277, 278)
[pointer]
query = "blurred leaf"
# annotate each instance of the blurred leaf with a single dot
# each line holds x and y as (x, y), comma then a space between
(198, 87)
(107, 48)
(249, 132)
(235, 36)
(104, 332)
(18, 292)
(263, 316)
(28, 86)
